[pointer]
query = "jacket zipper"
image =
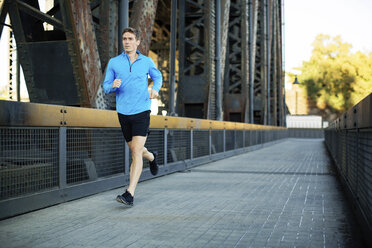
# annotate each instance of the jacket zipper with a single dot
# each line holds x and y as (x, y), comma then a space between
(130, 64)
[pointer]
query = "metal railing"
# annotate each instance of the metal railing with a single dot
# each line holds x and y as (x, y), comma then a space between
(51, 154)
(349, 141)
(306, 133)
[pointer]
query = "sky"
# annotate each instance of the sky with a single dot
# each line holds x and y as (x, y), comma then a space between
(304, 19)
(4, 64)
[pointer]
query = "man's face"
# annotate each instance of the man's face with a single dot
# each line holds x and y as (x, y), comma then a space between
(130, 43)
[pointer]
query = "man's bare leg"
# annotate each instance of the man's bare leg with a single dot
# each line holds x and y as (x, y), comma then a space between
(146, 154)
(137, 147)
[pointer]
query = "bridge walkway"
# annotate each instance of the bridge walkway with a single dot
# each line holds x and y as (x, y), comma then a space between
(285, 195)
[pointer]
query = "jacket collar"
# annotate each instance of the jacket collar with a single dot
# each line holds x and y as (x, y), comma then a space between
(138, 52)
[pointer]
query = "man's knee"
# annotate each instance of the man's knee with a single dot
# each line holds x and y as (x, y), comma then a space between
(137, 151)
(137, 146)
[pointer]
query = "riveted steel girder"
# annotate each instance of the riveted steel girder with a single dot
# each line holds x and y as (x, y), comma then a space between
(260, 80)
(273, 67)
(225, 5)
(252, 17)
(192, 87)
(83, 50)
(275, 79)
(23, 33)
(85, 37)
(61, 65)
(142, 18)
(250, 68)
(210, 34)
(253, 79)
(279, 66)
(225, 14)
(106, 29)
(105, 19)
(196, 96)
(160, 45)
(237, 64)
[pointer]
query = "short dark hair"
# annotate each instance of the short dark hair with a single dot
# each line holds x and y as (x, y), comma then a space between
(131, 30)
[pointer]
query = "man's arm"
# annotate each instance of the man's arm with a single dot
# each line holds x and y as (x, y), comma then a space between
(109, 79)
(156, 76)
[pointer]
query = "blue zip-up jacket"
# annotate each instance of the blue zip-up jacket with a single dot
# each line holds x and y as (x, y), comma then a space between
(132, 97)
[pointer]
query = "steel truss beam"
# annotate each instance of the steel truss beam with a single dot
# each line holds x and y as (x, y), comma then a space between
(11, 65)
(105, 20)
(142, 18)
(61, 66)
(236, 77)
(196, 96)
(160, 45)
(86, 32)
(260, 66)
(276, 79)
(82, 44)
(253, 79)
(39, 15)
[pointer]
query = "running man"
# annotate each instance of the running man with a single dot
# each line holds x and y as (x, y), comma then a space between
(127, 76)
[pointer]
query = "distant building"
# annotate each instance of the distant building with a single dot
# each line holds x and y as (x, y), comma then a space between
(306, 121)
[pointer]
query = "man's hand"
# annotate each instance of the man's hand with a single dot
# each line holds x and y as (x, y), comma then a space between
(116, 83)
(153, 94)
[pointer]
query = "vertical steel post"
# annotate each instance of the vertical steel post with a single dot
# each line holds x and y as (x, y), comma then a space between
(11, 72)
(18, 77)
(165, 147)
(181, 60)
(274, 56)
(173, 57)
(210, 142)
(224, 140)
(191, 144)
(62, 158)
(123, 21)
(262, 137)
(235, 141)
(218, 62)
(268, 63)
(210, 57)
(243, 138)
(284, 109)
(251, 69)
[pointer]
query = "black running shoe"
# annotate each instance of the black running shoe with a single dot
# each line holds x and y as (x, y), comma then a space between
(125, 198)
(154, 168)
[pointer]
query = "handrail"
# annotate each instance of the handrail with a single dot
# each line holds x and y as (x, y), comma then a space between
(348, 141)
(357, 117)
(45, 115)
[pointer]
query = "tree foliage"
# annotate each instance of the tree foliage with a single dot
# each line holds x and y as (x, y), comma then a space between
(335, 78)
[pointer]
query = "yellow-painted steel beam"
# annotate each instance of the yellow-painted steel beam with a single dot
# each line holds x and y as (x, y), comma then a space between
(39, 115)
(30, 114)
(87, 117)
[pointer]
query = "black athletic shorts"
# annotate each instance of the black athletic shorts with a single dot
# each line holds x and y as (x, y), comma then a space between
(135, 125)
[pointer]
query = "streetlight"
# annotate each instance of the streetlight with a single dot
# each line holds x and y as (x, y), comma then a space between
(296, 83)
